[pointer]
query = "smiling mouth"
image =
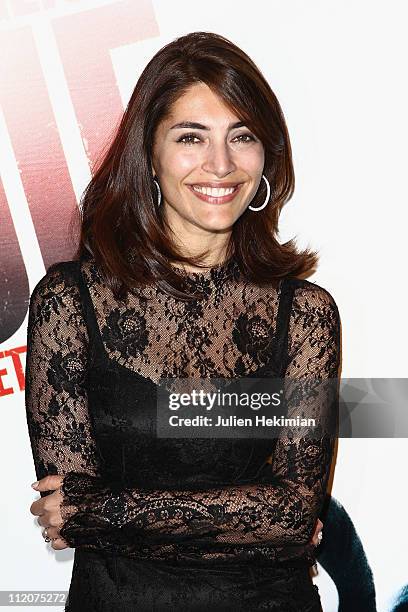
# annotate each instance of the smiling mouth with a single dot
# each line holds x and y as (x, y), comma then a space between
(215, 195)
(213, 191)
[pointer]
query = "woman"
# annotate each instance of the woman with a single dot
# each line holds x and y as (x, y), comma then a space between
(179, 274)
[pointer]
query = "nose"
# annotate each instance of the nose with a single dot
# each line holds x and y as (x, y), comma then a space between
(219, 160)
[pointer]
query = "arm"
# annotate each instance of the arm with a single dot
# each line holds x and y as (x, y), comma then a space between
(55, 393)
(303, 456)
(93, 513)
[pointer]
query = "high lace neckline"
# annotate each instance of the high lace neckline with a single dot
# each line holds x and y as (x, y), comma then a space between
(220, 271)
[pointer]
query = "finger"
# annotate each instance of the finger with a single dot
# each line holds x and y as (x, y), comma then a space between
(37, 507)
(42, 505)
(314, 539)
(59, 544)
(318, 529)
(49, 483)
(43, 521)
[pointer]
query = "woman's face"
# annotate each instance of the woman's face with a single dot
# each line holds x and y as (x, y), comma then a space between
(213, 154)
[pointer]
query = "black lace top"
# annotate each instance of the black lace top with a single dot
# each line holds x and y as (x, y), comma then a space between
(93, 365)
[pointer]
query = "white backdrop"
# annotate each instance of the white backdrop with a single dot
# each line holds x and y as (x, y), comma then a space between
(339, 72)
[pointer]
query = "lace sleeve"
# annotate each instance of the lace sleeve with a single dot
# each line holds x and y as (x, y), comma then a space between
(303, 455)
(55, 391)
(280, 512)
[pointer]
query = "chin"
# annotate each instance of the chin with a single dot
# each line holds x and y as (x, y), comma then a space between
(217, 217)
(217, 225)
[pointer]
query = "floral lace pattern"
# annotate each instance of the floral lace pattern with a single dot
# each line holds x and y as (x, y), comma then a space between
(92, 367)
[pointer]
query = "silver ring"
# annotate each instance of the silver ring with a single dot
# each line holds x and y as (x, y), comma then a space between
(45, 535)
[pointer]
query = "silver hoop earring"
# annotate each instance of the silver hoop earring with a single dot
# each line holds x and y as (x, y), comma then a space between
(268, 193)
(159, 192)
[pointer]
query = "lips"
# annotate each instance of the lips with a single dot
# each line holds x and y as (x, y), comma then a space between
(215, 184)
(211, 199)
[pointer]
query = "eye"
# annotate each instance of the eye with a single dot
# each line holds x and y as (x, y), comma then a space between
(187, 138)
(249, 136)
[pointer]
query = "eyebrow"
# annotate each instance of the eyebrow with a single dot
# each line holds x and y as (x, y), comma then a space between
(199, 126)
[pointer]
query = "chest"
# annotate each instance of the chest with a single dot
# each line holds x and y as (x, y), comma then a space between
(123, 410)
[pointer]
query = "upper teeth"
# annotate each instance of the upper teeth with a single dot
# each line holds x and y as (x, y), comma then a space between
(213, 191)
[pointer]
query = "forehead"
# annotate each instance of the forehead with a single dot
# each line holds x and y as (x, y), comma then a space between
(200, 103)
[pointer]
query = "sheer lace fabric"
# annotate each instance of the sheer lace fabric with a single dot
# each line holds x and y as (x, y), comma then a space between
(93, 364)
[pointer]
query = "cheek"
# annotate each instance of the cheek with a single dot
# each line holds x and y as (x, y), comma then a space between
(253, 161)
(178, 164)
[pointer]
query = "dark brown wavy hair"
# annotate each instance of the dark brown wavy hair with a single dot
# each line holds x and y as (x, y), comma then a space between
(119, 222)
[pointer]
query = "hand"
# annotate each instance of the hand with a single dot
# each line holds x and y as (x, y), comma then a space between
(318, 528)
(48, 509)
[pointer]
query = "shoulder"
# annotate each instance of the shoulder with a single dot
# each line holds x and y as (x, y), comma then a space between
(312, 303)
(314, 331)
(58, 283)
(55, 313)
(305, 291)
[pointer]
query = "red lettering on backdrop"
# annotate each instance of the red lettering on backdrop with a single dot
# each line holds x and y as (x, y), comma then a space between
(43, 171)
(18, 369)
(84, 41)
(13, 278)
(4, 390)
